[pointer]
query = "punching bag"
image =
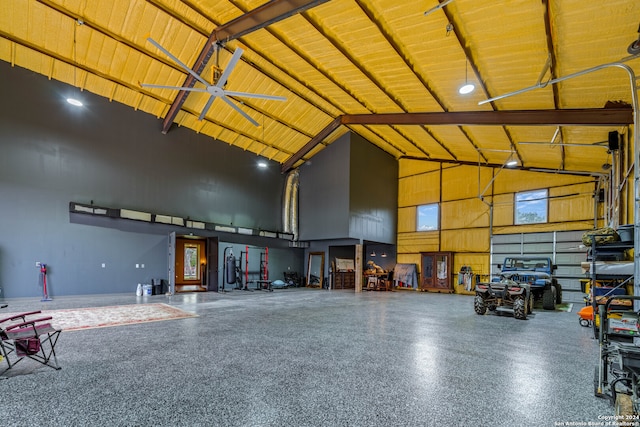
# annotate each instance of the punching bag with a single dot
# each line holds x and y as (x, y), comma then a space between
(231, 269)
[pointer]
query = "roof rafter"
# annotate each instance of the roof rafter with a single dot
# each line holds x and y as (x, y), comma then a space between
(267, 14)
(568, 117)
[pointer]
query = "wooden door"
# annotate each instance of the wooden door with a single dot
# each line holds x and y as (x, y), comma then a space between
(436, 272)
(190, 264)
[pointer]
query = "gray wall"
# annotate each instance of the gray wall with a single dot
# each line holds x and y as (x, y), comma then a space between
(53, 153)
(349, 190)
(324, 193)
(373, 193)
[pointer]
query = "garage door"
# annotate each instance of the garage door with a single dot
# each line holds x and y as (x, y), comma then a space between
(563, 247)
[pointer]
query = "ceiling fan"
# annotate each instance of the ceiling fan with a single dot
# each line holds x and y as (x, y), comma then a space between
(215, 90)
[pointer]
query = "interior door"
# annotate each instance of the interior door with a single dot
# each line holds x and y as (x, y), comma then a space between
(212, 264)
(171, 262)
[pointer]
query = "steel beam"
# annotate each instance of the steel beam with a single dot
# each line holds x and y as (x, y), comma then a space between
(265, 15)
(567, 117)
(328, 130)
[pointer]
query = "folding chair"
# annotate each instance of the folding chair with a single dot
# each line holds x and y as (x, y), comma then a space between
(23, 337)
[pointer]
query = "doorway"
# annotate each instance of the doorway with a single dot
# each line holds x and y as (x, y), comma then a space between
(196, 266)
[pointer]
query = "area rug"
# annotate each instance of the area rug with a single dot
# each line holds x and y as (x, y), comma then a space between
(564, 307)
(76, 319)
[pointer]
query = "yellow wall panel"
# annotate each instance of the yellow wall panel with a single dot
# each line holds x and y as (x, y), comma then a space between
(407, 219)
(571, 208)
(418, 242)
(468, 240)
(511, 181)
(408, 167)
(503, 209)
(537, 228)
(576, 202)
(478, 262)
(409, 259)
(461, 182)
(469, 213)
(419, 189)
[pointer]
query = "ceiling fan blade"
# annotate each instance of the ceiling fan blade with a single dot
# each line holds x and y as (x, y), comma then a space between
(235, 107)
(177, 61)
(254, 95)
(190, 89)
(229, 68)
(206, 107)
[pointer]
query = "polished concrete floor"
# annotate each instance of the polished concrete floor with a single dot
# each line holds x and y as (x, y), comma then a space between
(310, 357)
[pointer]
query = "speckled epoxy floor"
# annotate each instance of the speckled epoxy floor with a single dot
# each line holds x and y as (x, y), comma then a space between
(308, 357)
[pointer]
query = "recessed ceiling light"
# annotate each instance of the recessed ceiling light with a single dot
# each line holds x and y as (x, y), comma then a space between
(74, 101)
(262, 164)
(512, 163)
(466, 88)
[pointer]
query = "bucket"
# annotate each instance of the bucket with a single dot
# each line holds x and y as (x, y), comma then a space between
(147, 289)
(626, 233)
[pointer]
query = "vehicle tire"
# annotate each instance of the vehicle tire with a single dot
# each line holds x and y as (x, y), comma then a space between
(549, 299)
(520, 308)
(530, 304)
(479, 305)
(623, 405)
(558, 293)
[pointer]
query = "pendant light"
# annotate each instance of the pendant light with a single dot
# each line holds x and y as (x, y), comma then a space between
(467, 87)
(71, 100)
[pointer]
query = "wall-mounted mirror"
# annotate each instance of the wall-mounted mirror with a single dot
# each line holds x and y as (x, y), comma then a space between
(315, 269)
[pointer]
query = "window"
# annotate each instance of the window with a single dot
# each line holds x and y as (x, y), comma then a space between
(532, 207)
(427, 217)
(191, 262)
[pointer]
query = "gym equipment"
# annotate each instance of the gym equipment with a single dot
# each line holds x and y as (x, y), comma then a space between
(230, 269)
(262, 282)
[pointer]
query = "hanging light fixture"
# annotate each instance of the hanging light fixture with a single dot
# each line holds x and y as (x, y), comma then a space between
(71, 100)
(467, 87)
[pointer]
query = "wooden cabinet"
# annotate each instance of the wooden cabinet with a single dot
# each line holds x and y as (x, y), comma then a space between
(436, 275)
(345, 280)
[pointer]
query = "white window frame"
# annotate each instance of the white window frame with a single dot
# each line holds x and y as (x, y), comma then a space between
(532, 203)
(426, 218)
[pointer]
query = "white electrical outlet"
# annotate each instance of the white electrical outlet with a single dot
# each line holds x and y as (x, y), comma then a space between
(137, 265)
(38, 265)
(141, 265)
(104, 265)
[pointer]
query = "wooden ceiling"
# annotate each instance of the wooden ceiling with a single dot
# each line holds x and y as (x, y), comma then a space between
(388, 70)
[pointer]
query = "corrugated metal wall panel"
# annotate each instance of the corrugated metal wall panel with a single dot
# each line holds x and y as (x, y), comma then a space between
(563, 247)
